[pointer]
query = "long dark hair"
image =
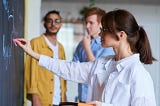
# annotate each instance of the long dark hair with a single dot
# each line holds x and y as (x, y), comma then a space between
(122, 20)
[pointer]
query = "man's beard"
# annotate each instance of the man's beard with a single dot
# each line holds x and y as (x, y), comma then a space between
(51, 33)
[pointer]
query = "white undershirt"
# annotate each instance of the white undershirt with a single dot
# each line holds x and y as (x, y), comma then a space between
(57, 91)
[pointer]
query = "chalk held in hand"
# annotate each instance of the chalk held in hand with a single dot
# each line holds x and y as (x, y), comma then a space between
(15, 41)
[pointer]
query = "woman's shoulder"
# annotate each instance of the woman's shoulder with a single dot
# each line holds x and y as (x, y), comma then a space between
(139, 72)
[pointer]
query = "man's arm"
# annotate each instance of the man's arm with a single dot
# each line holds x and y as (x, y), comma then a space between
(86, 44)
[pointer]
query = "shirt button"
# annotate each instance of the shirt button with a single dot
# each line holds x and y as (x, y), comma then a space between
(51, 79)
(50, 92)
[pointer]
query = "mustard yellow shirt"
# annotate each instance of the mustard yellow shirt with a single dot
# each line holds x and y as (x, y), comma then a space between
(37, 79)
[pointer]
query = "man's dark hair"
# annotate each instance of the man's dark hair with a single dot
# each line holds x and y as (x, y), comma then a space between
(51, 12)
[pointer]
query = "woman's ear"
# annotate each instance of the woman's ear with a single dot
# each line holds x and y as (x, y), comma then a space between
(121, 35)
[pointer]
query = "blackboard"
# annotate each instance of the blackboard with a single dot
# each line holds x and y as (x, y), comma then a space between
(11, 57)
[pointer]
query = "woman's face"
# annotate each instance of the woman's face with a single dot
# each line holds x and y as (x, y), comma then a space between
(107, 39)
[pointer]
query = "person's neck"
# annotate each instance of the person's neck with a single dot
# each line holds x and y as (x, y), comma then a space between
(94, 36)
(52, 38)
(122, 52)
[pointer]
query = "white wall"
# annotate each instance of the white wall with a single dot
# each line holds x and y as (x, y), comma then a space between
(32, 23)
(147, 16)
(32, 18)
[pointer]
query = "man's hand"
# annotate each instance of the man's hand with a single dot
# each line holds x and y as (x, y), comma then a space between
(35, 100)
(86, 41)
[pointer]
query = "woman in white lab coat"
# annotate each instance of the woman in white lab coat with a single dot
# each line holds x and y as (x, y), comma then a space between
(119, 80)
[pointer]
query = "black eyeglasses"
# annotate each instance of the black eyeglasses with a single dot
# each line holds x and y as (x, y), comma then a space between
(102, 29)
(57, 21)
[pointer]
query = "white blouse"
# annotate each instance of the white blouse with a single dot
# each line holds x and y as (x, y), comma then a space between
(114, 83)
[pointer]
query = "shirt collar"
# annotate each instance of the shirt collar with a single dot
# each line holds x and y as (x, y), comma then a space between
(97, 40)
(126, 61)
(121, 64)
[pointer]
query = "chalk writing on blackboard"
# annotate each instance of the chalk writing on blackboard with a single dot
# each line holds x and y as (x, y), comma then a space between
(6, 6)
(12, 33)
(6, 52)
(6, 48)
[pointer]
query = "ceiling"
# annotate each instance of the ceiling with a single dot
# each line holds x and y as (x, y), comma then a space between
(145, 2)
